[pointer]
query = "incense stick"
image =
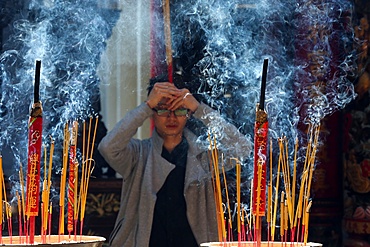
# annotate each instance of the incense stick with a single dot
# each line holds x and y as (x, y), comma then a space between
(269, 196)
(72, 178)
(238, 199)
(63, 180)
(21, 180)
(19, 217)
(1, 199)
(273, 225)
(230, 225)
(214, 152)
(87, 169)
(167, 36)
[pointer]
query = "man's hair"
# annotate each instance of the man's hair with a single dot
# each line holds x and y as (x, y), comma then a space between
(154, 80)
(178, 81)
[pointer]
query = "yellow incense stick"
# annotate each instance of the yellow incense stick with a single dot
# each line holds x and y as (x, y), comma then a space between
(294, 176)
(273, 225)
(218, 188)
(44, 212)
(45, 163)
(61, 203)
(286, 215)
(1, 190)
(259, 179)
(218, 182)
(251, 206)
(21, 180)
(269, 202)
(88, 141)
(8, 211)
(167, 31)
(307, 212)
(227, 198)
(311, 165)
(238, 180)
(83, 139)
(50, 164)
(19, 206)
(75, 194)
(48, 185)
(3, 186)
(75, 208)
(94, 136)
(82, 188)
(88, 174)
(290, 199)
(282, 215)
(298, 214)
(269, 189)
(286, 176)
(213, 149)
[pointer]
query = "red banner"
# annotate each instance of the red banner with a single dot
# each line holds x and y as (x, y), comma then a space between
(259, 176)
(33, 173)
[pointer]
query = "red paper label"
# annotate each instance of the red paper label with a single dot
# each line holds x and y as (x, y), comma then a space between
(33, 172)
(259, 174)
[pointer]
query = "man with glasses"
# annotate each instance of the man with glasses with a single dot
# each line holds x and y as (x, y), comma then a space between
(167, 196)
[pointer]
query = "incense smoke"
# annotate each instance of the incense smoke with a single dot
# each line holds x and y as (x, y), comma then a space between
(310, 47)
(68, 37)
(310, 50)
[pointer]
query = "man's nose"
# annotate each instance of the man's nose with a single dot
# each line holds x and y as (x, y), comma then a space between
(171, 114)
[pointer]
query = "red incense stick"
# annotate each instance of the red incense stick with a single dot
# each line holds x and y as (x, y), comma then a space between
(34, 155)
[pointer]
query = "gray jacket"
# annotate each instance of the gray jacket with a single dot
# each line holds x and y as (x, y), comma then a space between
(144, 171)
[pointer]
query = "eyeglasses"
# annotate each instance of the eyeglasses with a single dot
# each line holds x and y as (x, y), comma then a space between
(166, 113)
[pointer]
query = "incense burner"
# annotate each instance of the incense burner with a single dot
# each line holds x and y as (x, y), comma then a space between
(56, 240)
(262, 244)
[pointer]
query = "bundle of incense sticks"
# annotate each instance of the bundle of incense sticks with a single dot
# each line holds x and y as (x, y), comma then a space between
(286, 201)
(214, 162)
(29, 203)
(87, 168)
(5, 206)
(76, 200)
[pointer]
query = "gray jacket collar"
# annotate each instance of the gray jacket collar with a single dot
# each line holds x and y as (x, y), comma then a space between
(197, 167)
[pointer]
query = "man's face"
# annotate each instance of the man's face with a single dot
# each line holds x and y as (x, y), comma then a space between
(169, 124)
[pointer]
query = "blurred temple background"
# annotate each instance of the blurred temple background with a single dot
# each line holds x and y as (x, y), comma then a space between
(98, 56)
